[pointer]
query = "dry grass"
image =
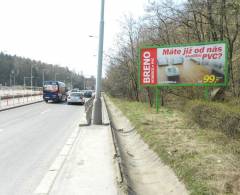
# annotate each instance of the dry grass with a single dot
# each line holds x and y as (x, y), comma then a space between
(207, 161)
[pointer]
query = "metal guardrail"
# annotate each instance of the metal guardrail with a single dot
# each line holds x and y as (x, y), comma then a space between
(18, 101)
(18, 91)
(17, 95)
(89, 108)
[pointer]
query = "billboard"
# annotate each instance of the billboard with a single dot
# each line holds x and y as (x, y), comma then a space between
(199, 64)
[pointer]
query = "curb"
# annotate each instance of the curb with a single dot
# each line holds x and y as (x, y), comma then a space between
(105, 117)
(18, 106)
(48, 180)
(83, 120)
(122, 181)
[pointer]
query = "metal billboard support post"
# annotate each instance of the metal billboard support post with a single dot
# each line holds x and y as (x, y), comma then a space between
(97, 104)
(157, 98)
(206, 93)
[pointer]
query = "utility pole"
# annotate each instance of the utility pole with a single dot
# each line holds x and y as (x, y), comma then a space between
(31, 76)
(97, 106)
(56, 76)
(24, 83)
(14, 80)
(10, 81)
(43, 77)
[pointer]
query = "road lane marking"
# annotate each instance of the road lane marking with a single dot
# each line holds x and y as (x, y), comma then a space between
(45, 111)
(57, 163)
(46, 183)
(48, 180)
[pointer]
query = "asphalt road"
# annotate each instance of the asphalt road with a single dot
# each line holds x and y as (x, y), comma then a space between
(30, 139)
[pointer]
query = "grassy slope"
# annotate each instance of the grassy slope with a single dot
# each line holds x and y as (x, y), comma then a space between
(207, 161)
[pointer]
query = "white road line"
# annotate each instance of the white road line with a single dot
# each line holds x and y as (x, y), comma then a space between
(49, 178)
(45, 111)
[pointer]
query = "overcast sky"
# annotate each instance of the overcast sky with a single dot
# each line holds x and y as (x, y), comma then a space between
(57, 31)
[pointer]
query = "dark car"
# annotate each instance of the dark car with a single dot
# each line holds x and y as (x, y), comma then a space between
(88, 94)
(75, 90)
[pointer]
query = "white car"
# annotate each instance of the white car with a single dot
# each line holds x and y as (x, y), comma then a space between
(76, 98)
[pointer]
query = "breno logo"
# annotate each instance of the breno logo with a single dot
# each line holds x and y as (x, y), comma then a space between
(148, 66)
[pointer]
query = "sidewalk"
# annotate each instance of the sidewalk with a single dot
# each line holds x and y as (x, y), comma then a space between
(89, 168)
(17, 102)
(86, 164)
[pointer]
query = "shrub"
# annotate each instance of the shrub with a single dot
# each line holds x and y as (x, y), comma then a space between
(217, 116)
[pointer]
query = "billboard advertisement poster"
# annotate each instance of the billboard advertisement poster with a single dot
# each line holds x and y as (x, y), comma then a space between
(199, 64)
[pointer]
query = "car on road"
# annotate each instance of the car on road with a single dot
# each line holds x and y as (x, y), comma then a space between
(88, 94)
(76, 98)
(75, 90)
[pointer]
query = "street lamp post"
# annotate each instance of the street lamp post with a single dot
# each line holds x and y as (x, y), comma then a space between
(14, 80)
(43, 77)
(10, 81)
(31, 76)
(24, 81)
(13, 73)
(55, 76)
(97, 107)
(83, 83)
(71, 83)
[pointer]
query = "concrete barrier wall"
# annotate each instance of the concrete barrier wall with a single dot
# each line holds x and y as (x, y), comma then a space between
(88, 110)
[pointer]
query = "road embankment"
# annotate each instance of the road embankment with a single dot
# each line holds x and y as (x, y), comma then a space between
(205, 159)
(143, 170)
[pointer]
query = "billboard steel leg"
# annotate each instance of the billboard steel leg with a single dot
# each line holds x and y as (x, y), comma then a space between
(157, 98)
(206, 93)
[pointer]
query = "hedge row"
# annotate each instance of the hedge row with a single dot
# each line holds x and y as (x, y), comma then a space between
(217, 116)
